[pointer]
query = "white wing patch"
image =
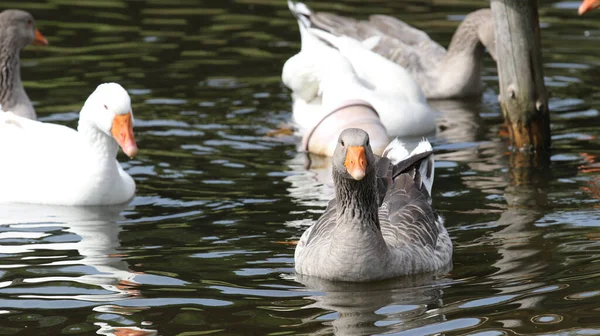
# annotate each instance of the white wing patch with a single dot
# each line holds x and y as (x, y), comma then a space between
(395, 151)
(422, 147)
(427, 168)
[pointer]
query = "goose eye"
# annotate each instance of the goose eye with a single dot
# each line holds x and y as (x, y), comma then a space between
(105, 107)
(29, 22)
(342, 143)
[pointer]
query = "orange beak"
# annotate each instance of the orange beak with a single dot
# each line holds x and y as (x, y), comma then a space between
(356, 162)
(122, 131)
(588, 5)
(39, 40)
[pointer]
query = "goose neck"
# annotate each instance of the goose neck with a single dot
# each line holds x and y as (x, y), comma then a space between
(100, 144)
(10, 72)
(358, 202)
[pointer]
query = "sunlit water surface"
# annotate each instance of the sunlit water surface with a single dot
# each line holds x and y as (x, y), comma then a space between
(205, 245)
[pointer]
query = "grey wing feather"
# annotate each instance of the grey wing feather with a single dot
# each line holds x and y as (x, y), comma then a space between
(401, 31)
(335, 24)
(325, 224)
(407, 46)
(384, 177)
(407, 217)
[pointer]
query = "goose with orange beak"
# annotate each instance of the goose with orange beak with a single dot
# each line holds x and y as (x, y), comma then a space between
(381, 223)
(17, 30)
(54, 164)
(588, 6)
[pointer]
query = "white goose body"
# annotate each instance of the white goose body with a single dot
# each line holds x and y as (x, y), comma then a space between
(440, 73)
(323, 77)
(53, 164)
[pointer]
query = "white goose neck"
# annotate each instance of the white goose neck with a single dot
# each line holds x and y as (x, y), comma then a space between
(101, 144)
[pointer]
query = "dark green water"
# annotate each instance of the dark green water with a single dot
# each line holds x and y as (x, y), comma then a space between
(201, 249)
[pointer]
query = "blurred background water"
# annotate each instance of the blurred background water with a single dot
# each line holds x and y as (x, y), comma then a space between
(204, 248)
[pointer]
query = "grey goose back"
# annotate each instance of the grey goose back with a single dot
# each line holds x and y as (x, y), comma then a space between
(441, 73)
(17, 30)
(381, 223)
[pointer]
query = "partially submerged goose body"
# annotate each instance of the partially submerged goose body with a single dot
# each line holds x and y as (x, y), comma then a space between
(381, 223)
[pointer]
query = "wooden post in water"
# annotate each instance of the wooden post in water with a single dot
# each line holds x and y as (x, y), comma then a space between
(523, 94)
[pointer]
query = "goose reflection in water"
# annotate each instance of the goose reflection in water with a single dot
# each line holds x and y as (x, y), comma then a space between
(404, 303)
(98, 229)
(40, 229)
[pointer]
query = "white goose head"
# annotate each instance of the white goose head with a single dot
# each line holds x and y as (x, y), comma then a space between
(108, 109)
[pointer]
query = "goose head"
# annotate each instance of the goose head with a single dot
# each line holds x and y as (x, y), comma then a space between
(588, 6)
(17, 26)
(353, 157)
(108, 109)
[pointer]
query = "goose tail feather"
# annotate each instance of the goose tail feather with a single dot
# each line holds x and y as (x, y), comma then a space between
(421, 159)
(427, 166)
(395, 151)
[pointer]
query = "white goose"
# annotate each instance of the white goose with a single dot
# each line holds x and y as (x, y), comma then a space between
(323, 77)
(441, 73)
(53, 164)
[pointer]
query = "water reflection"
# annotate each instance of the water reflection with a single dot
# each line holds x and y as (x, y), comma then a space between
(459, 120)
(374, 308)
(91, 231)
(47, 237)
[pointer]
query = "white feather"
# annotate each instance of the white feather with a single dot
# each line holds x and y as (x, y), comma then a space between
(395, 151)
(427, 169)
(299, 8)
(371, 42)
(422, 147)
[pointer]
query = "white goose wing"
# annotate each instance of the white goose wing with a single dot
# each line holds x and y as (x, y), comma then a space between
(25, 138)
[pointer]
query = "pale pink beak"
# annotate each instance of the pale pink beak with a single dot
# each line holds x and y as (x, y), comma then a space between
(122, 131)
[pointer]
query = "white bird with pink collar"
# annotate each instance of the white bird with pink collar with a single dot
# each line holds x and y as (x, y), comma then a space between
(331, 71)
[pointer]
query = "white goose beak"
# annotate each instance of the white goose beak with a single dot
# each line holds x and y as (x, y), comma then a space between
(122, 131)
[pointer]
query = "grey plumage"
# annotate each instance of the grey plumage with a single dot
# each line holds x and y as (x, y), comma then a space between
(441, 74)
(380, 226)
(17, 30)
